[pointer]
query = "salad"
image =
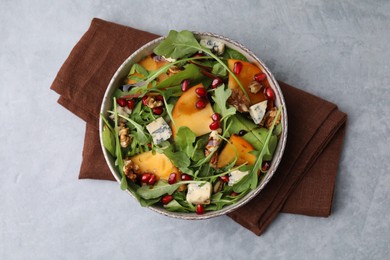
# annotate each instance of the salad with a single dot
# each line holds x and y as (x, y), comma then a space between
(194, 125)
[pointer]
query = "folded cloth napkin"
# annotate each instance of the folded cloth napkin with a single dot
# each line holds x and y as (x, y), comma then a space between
(305, 179)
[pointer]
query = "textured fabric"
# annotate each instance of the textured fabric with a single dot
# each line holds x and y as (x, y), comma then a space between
(305, 179)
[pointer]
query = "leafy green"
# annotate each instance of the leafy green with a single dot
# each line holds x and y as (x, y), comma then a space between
(221, 95)
(233, 54)
(160, 189)
(138, 68)
(191, 72)
(118, 151)
(219, 70)
(185, 139)
(108, 139)
(175, 206)
(178, 45)
(141, 137)
(179, 158)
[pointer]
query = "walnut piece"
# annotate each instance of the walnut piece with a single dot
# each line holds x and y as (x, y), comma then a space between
(124, 137)
(239, 100)
(269, 118)
(152, 102)
(255, 87)
(130, 169)
(173, 70)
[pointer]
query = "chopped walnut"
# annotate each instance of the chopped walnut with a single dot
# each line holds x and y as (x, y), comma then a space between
(269, 118)
(239, 100)
(130, 170)
(152, 102)
(255, 87)
(124, 137)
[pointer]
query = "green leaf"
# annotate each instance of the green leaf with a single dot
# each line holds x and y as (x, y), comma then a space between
(138, 68)
(185, 139)
(191, 72)
(108, 139)
(175, 206)
(124, 184)
(219, 70)
(220, 97)
(178, 45)
(179, 159)
(233, 54)
(161, 188)
(141, 137)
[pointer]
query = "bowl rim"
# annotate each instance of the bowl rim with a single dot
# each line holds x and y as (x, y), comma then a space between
(275, 160)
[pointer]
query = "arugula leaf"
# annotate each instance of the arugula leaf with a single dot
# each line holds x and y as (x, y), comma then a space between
(185, 139)
(179, 159)
(118, 150)
(219, 70)
(175, 206)
(191, 72)
(138, 68)
(220, 98)
(141, 137)
(178, 45)
(161, 188)
(233, 54)
(108, 137)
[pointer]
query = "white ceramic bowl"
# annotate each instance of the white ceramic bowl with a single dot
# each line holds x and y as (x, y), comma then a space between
(122, 72)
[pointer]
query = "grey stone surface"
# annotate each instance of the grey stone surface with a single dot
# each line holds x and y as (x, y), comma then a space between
(338, 50)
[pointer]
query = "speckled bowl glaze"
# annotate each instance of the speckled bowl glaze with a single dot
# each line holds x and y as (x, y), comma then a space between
(122, 72)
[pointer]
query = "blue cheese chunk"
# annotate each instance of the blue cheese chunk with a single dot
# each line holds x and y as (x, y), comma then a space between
(236, 176)
(160, 130)
(199, 193)
(257, 111)
(216, 46)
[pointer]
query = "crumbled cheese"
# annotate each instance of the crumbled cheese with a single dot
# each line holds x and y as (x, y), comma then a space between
(216, 46)
(160, 130)
(236, 176)
(257, 111)
(199, 193)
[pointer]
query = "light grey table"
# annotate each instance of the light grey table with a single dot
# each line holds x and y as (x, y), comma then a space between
(338, 50)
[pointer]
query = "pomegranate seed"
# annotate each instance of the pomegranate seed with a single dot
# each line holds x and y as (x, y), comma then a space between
(216, 82)
(152, 179)
(186, 177)
(157, 110)
(216, 117)
(269, 94)
(145, 100)
(242, 132)
(237, 67)
(233, 194)
(199, 209)
(259, 77)
(159, 98)
(172, 178)
(214, 125)
(121, 101)
(185, 85)
(131, 103)
(265, 166)
(201, 92)
(166, 199)
(145, 177)
(224, 178)
(149, 145)
(201, 103)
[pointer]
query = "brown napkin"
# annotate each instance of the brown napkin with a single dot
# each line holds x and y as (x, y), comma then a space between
(305, 179)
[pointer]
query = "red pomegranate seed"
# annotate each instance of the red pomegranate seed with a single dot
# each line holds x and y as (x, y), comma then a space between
(224, 178)
(145, 177)
(237, 67)
(259, 77)
(201, 103)
(145, 100)
(185, 85)
(186, 177)
(201, 92)
(233, 194)
(159, 98)
(265, 166)
(216, 82)
(152, 179)
(131, 103)
(269, 94)
(199, 209)
(166, 199)
(149, 145)
(172, 178)
(157, 110)
(216, 117)
(121, 101)
(214, 125)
